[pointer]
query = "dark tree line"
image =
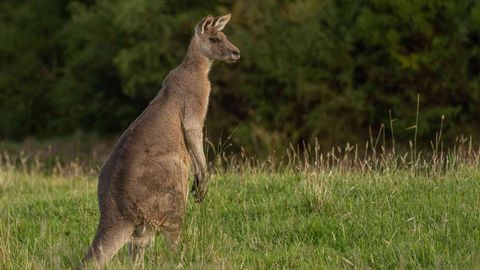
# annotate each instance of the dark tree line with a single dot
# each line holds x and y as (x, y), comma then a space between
(327, 69)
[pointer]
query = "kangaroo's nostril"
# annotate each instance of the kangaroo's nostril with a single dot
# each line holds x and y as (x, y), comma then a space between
(236, 52)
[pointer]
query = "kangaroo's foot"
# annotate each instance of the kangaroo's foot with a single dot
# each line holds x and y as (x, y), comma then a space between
(141, 238)
(173, 239)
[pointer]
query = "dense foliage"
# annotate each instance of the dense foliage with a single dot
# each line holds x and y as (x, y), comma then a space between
(328, 69)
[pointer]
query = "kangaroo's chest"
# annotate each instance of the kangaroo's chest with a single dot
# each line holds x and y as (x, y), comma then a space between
(201, 99)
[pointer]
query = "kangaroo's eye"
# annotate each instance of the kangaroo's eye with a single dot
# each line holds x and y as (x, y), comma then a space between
(214, 39)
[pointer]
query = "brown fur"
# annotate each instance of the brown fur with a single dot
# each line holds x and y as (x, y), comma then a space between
(143, 186)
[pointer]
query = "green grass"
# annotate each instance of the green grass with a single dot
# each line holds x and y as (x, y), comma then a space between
(261, 220)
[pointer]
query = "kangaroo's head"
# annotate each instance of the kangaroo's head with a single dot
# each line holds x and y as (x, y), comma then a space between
(212, 42)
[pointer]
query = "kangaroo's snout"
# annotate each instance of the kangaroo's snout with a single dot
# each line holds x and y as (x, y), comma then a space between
(236, 54)
(233, 55)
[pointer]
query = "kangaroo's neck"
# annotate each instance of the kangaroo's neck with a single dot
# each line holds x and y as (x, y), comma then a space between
(195, 61)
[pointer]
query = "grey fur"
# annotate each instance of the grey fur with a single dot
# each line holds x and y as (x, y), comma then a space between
(143, 186)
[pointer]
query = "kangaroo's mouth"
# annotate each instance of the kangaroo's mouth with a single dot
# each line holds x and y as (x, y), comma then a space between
(232, 56)
(231, 60)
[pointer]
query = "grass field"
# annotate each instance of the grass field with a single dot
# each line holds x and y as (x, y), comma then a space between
(259, 219)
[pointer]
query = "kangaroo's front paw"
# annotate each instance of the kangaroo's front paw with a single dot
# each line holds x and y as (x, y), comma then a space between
(199, 187)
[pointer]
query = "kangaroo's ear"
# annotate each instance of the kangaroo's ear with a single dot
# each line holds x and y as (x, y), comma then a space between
(204, 24)
(221, 21)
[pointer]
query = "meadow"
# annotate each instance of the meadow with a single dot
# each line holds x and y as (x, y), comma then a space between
(325, 211)
(74, 74)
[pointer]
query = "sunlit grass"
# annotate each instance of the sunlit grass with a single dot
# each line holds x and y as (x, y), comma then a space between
(256, 219)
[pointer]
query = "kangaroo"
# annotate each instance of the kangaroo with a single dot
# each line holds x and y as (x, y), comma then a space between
(143, 186)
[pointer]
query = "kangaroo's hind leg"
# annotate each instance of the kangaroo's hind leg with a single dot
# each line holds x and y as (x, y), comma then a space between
(141, 238)
(173, 239)
(108, 240)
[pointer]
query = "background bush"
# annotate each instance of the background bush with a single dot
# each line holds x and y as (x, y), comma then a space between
(309, 69)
